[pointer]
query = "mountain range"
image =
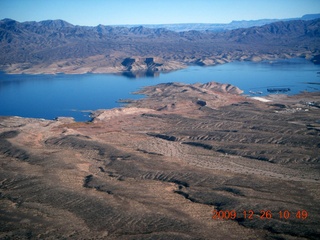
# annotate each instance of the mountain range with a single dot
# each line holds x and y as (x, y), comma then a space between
(55, 46)
(220, 27)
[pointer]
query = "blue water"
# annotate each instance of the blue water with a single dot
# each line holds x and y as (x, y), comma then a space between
(50, 96)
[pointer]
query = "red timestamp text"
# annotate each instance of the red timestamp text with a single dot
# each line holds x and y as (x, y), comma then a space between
(262, 214)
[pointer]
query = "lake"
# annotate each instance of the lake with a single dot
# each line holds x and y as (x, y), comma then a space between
(50, 96)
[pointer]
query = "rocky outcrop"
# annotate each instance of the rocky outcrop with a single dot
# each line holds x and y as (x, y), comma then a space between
(221, 87)
(316, 59)
(103, 115)
(139, 67)
(187, 98)
(142, 64)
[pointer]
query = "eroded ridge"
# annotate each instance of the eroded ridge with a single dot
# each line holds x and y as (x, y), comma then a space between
(164, 166)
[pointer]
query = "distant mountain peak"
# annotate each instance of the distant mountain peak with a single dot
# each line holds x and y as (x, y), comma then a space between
(310, 16)
(8, 21)
(220, 27)
(56, 23)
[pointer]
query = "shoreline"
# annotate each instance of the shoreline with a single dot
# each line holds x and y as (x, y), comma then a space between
(208, 144)
(139, 66)
(128, 101)
(132, 105)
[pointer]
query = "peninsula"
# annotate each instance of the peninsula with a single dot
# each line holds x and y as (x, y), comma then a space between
(188, 162)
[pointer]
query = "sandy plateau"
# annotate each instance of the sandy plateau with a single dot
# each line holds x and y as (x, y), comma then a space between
(158, 168)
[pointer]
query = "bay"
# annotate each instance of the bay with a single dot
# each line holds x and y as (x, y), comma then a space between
(51, 96)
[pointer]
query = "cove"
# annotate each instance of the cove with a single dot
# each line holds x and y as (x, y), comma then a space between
(51, 96)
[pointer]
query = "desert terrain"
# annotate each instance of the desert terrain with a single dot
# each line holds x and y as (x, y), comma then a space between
(194, 161)
(56, 46)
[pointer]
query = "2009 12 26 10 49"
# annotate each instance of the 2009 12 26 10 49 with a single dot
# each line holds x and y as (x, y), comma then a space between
(262, 214)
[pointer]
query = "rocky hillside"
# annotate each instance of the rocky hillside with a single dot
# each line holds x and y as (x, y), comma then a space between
(57, 46)
(163, 167)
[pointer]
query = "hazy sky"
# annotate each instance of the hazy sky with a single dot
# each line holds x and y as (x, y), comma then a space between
(111, 12)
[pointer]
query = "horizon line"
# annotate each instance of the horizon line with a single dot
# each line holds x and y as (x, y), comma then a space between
(149, 24)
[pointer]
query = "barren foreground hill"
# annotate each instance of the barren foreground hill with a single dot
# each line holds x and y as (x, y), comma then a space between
(162, 167)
